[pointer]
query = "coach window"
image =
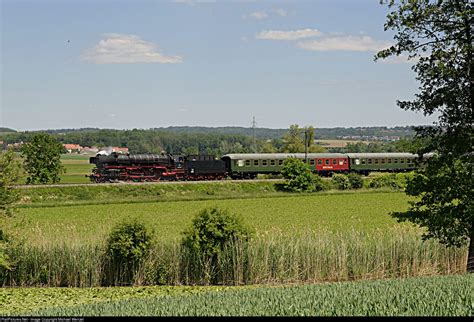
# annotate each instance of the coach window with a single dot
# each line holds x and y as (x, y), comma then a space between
(255, 162)
(326, 162)
(341, 162)
(264, 162)
(382, 160)
(376, 161)
(280, 162)
(247, 163)
(369, 161)
(389, 160)
(240, 163)
(334, 161)
(311, 162)
(320, 161)
(363, 161)
(395, 160)
(272, 162)
(357, 161)
(402, 160)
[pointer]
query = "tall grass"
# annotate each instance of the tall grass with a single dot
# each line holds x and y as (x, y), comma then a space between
(268, 258)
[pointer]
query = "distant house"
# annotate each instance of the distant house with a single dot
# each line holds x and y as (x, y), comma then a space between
(15, 146)
(72, 148)
(119, 150)
(90, 150)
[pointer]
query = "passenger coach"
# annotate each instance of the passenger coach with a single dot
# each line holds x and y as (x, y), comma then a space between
(364, 163)
(248, 165)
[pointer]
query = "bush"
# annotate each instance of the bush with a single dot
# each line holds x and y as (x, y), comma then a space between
(5, 260)
(319, 184)
(355, 180)
(341, 181)
(127, 246)
(212, 230)
(298, 176)
(386, 181)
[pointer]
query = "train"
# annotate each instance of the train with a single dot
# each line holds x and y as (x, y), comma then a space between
(115, 167)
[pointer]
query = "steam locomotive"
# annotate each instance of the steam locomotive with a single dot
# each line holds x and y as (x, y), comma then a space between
(116, 167)
(155, 167)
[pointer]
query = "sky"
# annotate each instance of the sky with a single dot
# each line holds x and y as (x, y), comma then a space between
(145, 64)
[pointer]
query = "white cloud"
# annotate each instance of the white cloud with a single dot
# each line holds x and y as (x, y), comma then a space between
(344, 43)
(288, 35)
(126, 49)
(281, 12)
(259, 15)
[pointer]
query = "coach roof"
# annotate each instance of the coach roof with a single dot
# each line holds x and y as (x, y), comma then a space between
(381, 155)
(277, 156)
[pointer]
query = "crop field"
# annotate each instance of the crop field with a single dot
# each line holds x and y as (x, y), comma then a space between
(425, 296)
(76, 166)
(79, 224)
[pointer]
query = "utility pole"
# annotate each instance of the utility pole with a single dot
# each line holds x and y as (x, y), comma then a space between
(306, 145)
(254, 126)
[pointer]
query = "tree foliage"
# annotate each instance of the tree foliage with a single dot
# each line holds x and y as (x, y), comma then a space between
(128, 244)
(211, 229)
(298, 176)
(293, 141)
(10, 171)
(42, 159)
(437, 35)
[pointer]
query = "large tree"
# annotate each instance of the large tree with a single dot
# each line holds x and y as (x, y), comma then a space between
(437, 36)
(42, 159)
(10, 171)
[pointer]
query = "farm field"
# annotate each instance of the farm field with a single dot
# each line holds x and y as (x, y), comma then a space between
(79, 224)
(338, 143)
(423, 296)
(76, 166)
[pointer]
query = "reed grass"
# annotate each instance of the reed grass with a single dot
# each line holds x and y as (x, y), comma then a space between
(272, 257)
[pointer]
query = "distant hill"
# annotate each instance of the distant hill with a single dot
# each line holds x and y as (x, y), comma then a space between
(320, 133)
(349, 133)
(5, 130)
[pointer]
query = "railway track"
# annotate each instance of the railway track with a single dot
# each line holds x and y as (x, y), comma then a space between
(136, 183)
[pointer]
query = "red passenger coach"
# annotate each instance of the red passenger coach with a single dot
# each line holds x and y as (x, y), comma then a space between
(325, 163)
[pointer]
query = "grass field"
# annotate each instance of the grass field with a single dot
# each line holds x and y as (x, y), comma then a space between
(426, 296)
(91, 223)
(76, 166)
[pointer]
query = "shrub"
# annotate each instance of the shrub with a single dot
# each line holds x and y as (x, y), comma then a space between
(5, 260)
(212, 230)
(127, 245)
(319, 184)
(298, 176)
(386, 181)
(355, 180)
(341, 181)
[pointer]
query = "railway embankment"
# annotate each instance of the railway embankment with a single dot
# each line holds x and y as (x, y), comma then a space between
(90, 194)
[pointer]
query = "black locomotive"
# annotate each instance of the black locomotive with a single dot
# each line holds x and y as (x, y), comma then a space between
(155, 167)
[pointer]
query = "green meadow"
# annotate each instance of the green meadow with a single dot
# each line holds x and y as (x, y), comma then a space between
(76, 166)
(88, 224)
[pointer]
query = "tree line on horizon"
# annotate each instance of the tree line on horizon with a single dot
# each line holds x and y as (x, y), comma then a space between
(153, 141)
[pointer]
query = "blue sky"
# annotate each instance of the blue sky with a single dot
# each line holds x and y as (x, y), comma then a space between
(143, 64)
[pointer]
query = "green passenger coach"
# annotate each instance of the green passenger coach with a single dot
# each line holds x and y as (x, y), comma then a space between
(248, 165)
(366, 162)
